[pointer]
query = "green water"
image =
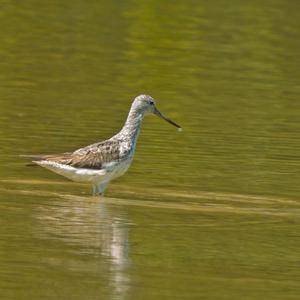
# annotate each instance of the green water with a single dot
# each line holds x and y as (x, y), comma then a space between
(208, 213)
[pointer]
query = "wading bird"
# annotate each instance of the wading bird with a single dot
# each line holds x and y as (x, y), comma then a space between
(101, 162)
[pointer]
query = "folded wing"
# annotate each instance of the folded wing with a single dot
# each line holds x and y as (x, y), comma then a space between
(90, 157)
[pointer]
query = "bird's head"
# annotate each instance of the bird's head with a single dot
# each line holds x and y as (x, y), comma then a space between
(145, 104)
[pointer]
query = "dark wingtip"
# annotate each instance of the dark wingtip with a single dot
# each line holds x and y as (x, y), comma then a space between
(31, 165)
(33, 157)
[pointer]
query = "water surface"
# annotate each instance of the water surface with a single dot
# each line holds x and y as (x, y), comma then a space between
(211, 212)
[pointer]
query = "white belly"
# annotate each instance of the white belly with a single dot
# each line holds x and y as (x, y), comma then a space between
(110, 171)
(120, 168)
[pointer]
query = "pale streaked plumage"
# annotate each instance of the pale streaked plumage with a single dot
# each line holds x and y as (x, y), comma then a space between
(101, 162)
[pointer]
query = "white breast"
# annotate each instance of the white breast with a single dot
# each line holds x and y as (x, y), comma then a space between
(118, 168)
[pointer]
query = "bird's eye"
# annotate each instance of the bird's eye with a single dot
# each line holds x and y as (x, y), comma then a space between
(151, 102)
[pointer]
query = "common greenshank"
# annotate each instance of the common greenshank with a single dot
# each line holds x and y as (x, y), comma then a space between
(101, 162)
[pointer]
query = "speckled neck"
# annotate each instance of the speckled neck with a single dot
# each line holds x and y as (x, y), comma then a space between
(132, 126)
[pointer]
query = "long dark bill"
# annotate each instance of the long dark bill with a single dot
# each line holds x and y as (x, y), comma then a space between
(158, 113)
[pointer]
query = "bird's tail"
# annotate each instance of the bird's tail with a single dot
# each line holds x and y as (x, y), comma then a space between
(33, 158)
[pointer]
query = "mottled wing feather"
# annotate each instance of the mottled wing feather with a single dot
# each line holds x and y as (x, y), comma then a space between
(62, 158)
(90, 157)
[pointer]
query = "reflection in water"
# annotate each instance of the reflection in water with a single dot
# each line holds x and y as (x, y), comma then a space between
(202, 240)
(95, 230)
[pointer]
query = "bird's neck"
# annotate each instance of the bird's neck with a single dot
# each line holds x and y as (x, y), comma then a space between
(132, 126)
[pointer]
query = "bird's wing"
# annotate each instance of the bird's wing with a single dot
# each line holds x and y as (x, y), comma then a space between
(90, 157)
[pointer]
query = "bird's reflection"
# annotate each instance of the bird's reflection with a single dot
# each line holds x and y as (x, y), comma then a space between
(95, 229)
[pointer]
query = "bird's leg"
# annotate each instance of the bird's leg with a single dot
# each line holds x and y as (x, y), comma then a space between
(94, 191)
(100, 188)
